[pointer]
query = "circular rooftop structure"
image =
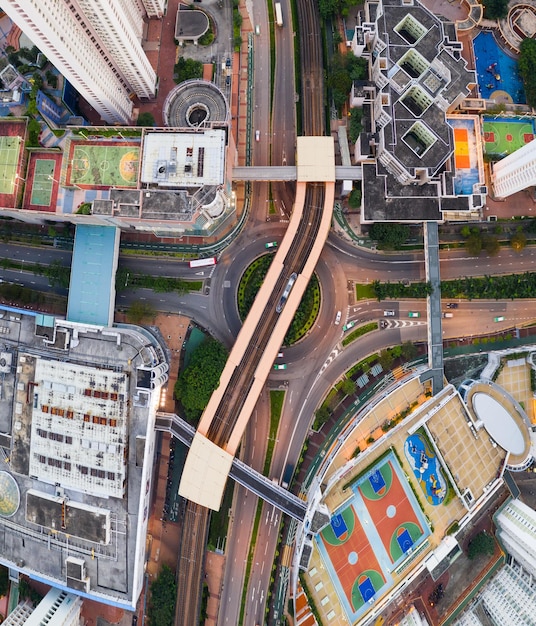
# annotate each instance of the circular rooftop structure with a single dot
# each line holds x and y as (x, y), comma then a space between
(498, 422)
(195, 104)
(504, 419)
(9, 495)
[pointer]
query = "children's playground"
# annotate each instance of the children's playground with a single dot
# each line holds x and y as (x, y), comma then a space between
(426, 468)
(103, 164)
(497, 72)
(371, 535)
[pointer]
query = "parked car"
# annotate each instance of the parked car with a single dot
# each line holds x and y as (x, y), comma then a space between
(389, 313)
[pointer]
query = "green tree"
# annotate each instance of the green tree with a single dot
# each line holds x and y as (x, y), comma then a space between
(518, 241)
(145, 119)
(58, 275)
(495, 9)
(386, 359)
(355, 128)
(186, 69)
(491, 245)
(348, 387)
(389, 236)
(527, 69)
(473, 244)
(354, 199)
(481, 543)
(163, 592)
(321, 417)
(196, 382)
(408, 350)
(140, 311)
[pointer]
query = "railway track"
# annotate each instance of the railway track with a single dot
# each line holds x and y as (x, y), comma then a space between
(196, 518)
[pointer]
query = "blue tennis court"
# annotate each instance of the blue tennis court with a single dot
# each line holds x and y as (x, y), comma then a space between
(366, 589)
(339, 525)
(405, 541)
(376, 481)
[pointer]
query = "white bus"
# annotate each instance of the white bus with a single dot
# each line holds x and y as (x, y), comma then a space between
(278, 14)
(203, 262)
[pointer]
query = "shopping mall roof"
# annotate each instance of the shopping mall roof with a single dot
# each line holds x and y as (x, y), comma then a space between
(92, 286)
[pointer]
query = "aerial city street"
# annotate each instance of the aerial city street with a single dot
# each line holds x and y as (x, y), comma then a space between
(268, 312)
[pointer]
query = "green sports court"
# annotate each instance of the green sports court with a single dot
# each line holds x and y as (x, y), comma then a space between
(10, 149)
(102, 164)
(504, 136)
(43, 181)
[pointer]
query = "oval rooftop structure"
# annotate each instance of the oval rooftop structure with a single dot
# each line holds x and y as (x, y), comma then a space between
(501, 426)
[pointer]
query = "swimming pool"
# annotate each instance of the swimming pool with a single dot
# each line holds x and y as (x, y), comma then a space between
(496, 70)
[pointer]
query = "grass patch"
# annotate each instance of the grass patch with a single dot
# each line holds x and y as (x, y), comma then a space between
(277, 398)
(305, 315)
(359, 332)
(364, 292)
(219, 520)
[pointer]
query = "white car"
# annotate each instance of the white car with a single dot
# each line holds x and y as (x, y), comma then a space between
(338, 318)
(388, 313)
(257, 135)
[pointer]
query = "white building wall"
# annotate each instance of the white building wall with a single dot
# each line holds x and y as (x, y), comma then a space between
(517, 530)
(113, 22)
(95, 44)
(509, 599)
(515, 172)
(155, 8)
(57, 608)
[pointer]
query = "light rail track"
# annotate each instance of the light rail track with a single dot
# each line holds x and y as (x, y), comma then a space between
(196, 518)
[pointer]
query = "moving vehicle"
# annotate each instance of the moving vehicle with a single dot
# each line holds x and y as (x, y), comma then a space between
(203, 262)
(452, 305)
(280, 366)
(257, 135)
(500, 318)
(348, 326)
(278, 14)
(287, 476)
(257, 30)
(414, 314)
(338, 318)
(388, 313)
(286, 293)
(270, 244)
(448, 314)
(279, 355)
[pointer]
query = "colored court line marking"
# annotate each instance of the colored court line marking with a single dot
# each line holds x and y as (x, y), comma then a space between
(404, 540)
(339, 526)
(377, 482)
(41, 184)
(366, 589)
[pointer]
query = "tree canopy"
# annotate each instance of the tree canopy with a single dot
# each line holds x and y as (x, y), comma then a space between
(161, 609)
(185, 69)
(482, 543)
(330, 8)
(145, 119)
(389, 236)
(198, 380)
(527, 69)
(495, 9)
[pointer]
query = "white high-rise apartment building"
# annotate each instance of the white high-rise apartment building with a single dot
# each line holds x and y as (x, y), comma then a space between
(516, 523)
(96, 45)
(515, 172)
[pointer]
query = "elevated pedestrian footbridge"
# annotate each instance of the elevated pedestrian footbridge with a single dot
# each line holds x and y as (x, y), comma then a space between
(290, 172)
(241, 472)
(224, 420)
